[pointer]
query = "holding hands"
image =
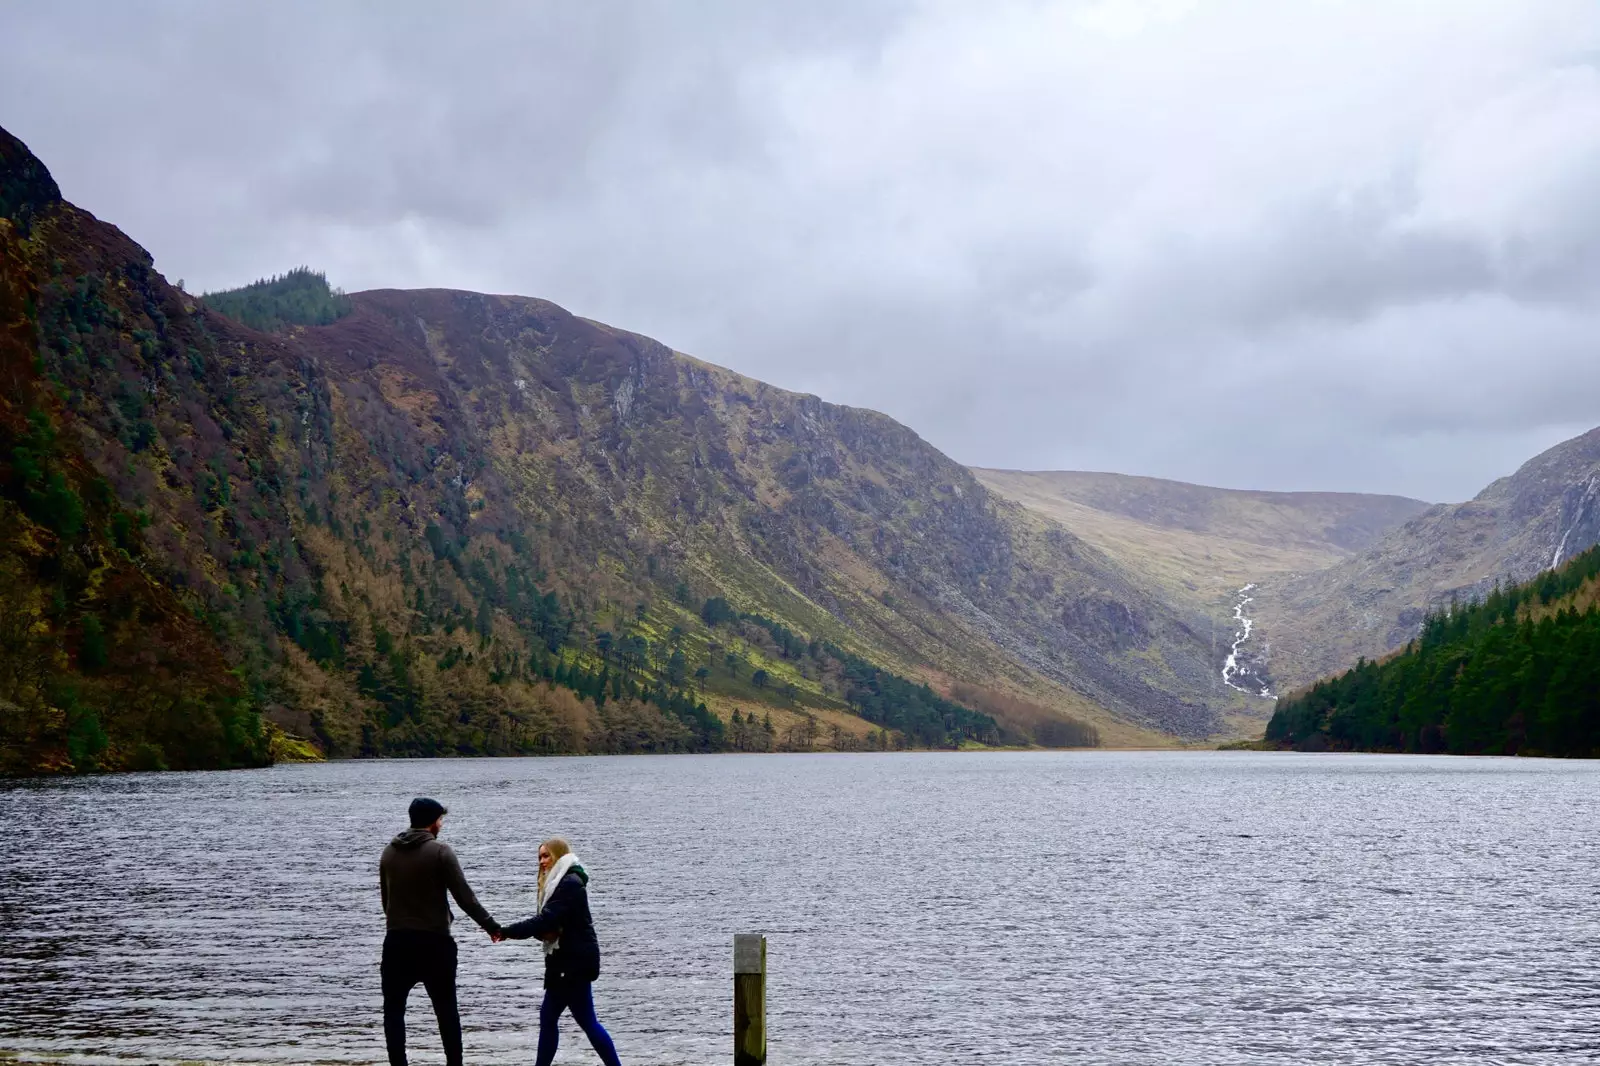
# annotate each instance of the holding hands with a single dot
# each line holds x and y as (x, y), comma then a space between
(498, 935)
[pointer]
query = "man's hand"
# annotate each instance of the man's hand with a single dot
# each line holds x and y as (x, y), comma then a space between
(496, 934)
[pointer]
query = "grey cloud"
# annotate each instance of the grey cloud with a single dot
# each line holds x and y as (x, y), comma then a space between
(1234, 242)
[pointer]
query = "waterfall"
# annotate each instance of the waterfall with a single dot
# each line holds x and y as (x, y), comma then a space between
(1584, 501)
(1231, 667)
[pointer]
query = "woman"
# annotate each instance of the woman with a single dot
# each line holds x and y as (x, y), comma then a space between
(571, 951)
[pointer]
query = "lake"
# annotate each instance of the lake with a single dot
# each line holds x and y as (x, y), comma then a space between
(1093, 907)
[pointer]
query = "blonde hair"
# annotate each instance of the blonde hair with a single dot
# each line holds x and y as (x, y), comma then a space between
(557, 848)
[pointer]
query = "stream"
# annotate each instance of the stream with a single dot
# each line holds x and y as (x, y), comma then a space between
(1234, 666)
(1589, 492)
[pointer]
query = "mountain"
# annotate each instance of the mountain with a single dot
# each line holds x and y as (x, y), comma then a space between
(287, 518)
(1516, 674)
(438, 522)
(1375, 601)
(1199, 543)
(72, 574)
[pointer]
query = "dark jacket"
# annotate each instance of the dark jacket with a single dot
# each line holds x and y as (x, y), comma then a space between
(576, 959)
(413, 876)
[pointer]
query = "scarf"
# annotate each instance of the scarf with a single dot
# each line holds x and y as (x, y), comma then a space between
(568, 863)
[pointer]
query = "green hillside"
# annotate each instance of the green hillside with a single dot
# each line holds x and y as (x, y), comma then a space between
(1518, 674)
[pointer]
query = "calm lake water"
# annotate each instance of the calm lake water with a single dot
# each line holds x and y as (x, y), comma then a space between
(920, 908)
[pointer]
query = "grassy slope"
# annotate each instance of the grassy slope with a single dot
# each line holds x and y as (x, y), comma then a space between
(1202, 565)
(1203, 543)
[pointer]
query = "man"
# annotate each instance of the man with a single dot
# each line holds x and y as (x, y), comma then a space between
(413, 876)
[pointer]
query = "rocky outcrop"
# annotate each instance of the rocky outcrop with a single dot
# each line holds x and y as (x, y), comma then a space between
(26, 187)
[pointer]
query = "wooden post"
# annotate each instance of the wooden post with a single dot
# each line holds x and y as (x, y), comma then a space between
(749, 999)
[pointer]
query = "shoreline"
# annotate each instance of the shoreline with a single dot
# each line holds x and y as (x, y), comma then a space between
(23, 1057)
(1253, 747)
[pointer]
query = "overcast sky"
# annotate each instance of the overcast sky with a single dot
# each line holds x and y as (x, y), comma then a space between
(1255, 243)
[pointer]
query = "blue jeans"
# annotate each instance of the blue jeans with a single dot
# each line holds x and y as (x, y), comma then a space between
(578, 997)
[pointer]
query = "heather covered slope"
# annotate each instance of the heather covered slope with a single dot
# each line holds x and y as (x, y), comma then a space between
(455, 523)
(652, 470)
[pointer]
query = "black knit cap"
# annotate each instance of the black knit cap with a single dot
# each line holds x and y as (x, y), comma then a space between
(424, 812)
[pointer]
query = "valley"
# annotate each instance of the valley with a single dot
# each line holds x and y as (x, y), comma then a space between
(1200, 544)
(439, 522)
(1213, 550)
(285, 520)
(1330, 577)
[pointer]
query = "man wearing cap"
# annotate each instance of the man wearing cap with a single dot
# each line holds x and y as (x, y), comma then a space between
(413, 876)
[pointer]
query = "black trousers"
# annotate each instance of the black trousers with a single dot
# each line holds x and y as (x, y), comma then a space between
(411, 958)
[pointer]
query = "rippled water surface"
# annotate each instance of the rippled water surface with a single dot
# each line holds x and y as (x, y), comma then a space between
(923, 908)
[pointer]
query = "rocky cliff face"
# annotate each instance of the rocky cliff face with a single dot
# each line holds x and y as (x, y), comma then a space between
(1374, 602)
(101, 661)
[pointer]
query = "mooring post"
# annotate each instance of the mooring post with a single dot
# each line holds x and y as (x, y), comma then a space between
(749, 999)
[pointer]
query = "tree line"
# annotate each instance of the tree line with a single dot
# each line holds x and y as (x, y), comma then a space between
(302, 297)
(880, 696)
(1515, 674)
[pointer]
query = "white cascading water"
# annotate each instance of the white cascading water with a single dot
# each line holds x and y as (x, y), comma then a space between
(1230, 665)
(1589, 492)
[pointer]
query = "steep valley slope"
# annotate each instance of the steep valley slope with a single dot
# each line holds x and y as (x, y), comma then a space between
(1374, 602)
(447, 522)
